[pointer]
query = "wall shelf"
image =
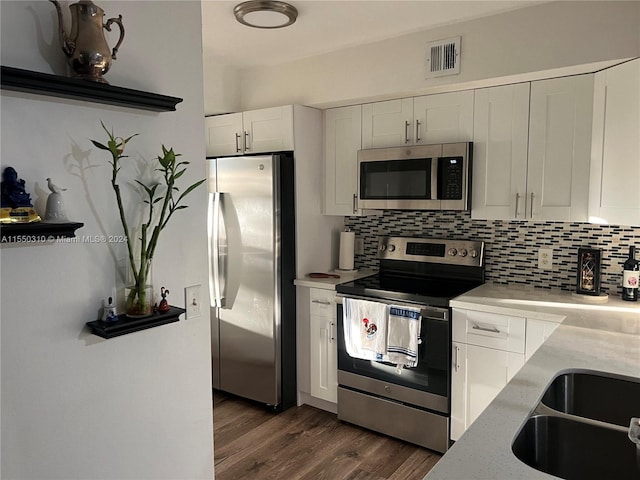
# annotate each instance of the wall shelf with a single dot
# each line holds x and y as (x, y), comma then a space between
(125, 325)
(38, 232)
(65, 87)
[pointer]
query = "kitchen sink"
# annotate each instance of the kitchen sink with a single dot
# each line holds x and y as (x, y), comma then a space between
(580, 429)
(595, 395)
(576, 450)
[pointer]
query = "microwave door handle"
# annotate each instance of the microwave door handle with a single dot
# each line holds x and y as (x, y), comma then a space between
(434, 178)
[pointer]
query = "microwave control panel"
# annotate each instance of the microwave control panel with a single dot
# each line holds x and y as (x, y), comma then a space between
(450, 172)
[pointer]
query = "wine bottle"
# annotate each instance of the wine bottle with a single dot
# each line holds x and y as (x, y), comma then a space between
(630, 278)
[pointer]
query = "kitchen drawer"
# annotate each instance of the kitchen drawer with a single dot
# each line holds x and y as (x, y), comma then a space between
(323, 302)
(492, 330)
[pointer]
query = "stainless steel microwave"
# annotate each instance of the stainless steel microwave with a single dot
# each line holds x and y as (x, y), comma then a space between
(422, 177)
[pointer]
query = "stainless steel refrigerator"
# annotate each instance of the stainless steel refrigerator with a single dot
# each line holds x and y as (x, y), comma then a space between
(251, 228)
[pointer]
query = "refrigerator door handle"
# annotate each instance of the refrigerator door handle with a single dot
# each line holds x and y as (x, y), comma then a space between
(213, 228)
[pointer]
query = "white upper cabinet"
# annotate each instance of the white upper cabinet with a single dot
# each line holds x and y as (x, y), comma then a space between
(443, 118)
(224, 134)
(342, 140)
(254, 131)
(561, 112)
(532, 150)
(387, 124)
(615, 162)
(440, 118)
(500, 143)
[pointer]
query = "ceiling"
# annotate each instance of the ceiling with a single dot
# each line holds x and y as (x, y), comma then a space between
(329, 25)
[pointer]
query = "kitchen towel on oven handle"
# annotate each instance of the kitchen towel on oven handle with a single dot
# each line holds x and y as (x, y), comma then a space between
(365, 328)
(403, 336)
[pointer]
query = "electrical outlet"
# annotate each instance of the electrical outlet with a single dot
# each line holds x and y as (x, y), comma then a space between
(359, 246)
(545, 258)
(192, 301)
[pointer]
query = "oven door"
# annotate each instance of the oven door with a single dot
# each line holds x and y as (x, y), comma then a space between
(427, 385)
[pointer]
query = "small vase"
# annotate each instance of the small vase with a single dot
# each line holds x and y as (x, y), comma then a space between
(139, 301)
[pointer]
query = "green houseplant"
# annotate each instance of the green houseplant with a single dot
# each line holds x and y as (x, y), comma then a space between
(161, 201)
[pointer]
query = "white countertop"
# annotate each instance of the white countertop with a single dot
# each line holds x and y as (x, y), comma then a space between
(603, 337)
(330, 283)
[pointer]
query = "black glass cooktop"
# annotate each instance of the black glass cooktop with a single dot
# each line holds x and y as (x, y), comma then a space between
(426, 291)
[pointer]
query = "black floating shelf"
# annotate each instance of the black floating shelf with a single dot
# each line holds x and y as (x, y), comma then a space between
(37, 232)
(125, 325)
(65, 87)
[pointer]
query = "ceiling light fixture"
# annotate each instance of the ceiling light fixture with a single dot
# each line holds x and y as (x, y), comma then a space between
(265, 13)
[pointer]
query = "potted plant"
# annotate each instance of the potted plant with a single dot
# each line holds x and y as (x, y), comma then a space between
(161, 203)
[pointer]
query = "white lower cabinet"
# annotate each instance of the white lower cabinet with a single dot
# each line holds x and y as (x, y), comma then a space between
(323, 345)
(537, 333)
(488, 350)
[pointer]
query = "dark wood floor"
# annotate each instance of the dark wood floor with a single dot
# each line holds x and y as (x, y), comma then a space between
(251, 442)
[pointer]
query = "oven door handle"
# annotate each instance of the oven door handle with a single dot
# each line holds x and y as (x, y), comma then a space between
(432, 313)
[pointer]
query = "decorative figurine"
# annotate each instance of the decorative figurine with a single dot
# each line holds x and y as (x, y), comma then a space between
(164, 305)
(55, 206)
(109, 311)
(15, 201)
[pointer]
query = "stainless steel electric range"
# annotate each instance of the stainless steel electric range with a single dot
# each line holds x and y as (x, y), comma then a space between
(412, 404)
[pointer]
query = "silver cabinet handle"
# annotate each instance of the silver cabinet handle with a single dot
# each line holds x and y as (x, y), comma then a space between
(418, 139)
(407, 124)
(321, 302)
(331, 337)
(246, 141)
(238, 149)
(517, 202)
(531, 205)
(456, 365)
(355, 203)
(486, 329)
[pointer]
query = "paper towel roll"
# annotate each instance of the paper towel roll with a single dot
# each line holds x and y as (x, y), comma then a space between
(347, 249)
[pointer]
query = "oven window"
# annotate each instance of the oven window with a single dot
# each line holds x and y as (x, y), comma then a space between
(432, 373)
(396, 179)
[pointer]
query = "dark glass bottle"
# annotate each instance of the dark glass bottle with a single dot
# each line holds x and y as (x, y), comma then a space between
(630, 277)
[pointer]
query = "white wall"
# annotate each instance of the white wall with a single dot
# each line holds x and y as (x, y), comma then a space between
(76, 406)
(539, 38)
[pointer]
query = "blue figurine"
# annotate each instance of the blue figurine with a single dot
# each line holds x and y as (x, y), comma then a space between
(14, 194)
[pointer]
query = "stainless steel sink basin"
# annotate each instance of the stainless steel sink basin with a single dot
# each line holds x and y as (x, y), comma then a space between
(595, 395)
(576, 450)
(580, 429)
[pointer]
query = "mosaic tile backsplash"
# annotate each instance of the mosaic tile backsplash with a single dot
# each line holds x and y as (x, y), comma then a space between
(511, 247)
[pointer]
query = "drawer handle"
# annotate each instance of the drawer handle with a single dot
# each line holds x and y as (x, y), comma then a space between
(486, 329)
(321, 302)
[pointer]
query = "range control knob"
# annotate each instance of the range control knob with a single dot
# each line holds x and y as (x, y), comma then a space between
(453, 252)
(474, 253)
(391, 248)
(382, 247)
(463, 252)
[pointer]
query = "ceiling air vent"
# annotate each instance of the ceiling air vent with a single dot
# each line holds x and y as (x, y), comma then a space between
(443, 57)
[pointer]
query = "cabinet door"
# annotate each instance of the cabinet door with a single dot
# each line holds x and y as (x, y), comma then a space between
(342, 140)
(444, 118)
(323, 346)
(500, 142)
(324, 353)
(223, 134)
(458, 389)
(561, 112)
(537, 333)
(615, 165)
(387, 124)
(268, 129)
(487, 372)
